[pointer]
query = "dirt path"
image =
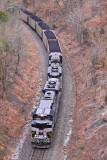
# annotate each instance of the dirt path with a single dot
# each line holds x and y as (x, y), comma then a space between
(63, 128)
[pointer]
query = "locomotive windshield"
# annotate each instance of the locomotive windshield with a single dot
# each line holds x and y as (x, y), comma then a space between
(43, 118)
(41, 126)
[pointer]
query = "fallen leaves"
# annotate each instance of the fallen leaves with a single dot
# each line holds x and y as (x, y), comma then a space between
(97, 20)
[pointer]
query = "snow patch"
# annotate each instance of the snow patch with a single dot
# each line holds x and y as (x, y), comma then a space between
(68, 135)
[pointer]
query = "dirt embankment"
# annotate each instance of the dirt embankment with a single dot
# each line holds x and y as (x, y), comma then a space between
(89, 65)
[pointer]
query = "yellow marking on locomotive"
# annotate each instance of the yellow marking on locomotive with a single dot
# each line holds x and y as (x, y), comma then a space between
(61, 90)
(50, 136)
(32, 134)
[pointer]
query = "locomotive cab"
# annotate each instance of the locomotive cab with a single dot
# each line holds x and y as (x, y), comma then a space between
(41, 136)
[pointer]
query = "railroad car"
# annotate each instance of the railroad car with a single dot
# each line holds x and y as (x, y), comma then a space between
(41, 27)
(24, 15)
(44, 118)
(53, 46)
(48, 35)
(33, 20)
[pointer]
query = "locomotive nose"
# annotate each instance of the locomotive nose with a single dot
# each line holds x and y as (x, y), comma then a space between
(40, 132)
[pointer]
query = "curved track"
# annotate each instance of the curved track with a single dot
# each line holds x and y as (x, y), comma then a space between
(63, 124)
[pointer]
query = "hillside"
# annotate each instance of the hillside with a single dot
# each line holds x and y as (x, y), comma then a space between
(81, 27)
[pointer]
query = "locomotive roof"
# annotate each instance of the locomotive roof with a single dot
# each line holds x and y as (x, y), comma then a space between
(35, 18)
(45, 107)
(49, 95)
(55, 54)
(42, 121)
(43, 25)
(54, 64)
(54, 71)
(56, 68)
(55, 57)
(55, 61)
(50, 34)
(52, 84)
(54, 46)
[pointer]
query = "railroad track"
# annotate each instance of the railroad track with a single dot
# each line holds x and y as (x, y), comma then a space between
(37, 154)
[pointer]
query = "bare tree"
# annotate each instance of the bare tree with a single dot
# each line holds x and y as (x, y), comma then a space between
(75, 18)
(4, 17)
(10, 46)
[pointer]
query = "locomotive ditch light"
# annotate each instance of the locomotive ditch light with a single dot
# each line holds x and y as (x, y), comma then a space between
(36, 135)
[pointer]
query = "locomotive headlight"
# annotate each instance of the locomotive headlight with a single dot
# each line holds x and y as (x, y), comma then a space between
(42, 115)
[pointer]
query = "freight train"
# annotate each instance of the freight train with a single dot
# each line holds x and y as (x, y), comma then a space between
(45, 115)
